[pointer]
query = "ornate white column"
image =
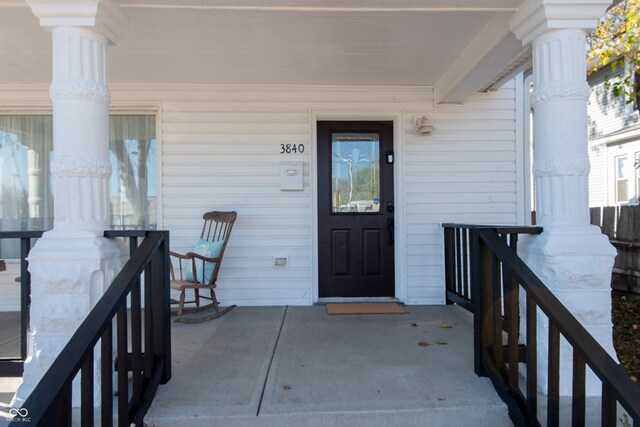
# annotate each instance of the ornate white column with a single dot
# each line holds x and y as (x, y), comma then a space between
(72, 264)
(573, 258)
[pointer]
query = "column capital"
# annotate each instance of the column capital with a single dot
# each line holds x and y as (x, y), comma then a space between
(103, 16)
(535, 17)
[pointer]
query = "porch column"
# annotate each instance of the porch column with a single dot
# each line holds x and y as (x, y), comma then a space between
(573, 258)
(72, 264)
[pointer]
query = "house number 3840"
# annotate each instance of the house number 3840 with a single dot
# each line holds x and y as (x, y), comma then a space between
(291, 148)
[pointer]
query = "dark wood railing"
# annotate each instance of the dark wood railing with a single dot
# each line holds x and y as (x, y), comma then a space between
(14, 366)
(459, 253)
(147, 354)
(498, 278)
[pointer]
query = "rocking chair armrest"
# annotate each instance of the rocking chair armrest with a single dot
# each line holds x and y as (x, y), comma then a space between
(191, 255)
(177, 255)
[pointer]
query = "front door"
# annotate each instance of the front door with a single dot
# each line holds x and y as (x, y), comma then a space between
(355, 209)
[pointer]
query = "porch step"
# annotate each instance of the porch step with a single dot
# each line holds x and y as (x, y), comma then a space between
(297, 366)
(480, 416)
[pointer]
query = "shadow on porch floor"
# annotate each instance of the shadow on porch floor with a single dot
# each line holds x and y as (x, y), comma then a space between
(292, 366)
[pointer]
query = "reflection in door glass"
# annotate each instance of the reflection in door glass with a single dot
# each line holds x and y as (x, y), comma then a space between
(355, 172)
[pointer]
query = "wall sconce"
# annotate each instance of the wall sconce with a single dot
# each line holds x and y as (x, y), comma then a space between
(423, 127)
(3, 265)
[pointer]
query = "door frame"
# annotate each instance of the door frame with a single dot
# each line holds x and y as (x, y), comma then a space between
(397, 117)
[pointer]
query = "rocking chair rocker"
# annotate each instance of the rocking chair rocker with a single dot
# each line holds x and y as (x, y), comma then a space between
(202, 266)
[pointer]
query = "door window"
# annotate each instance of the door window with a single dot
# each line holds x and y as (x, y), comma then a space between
(355, 173)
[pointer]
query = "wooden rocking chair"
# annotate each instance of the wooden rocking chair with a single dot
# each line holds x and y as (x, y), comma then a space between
(202, 266)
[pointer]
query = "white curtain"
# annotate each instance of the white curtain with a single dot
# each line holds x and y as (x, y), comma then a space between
(26, 200)
(132, 142)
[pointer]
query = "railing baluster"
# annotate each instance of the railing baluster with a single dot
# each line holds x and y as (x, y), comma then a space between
(148, 322)
(106, 376)
(553, 381)
(60, 414)
(86, 390)
(578, 399)
(532, 359)
(458, 261)
(123, 385)
(496, 312)
(608, 406)
(511, 313)
(465, 265)
(136, 344)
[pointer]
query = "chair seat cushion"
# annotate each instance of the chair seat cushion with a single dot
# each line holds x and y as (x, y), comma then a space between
(208, 250)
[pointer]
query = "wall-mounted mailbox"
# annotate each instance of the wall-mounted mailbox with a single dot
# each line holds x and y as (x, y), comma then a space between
(291, 177)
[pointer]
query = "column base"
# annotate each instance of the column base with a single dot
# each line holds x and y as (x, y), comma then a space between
(69, 273)
(575, 264)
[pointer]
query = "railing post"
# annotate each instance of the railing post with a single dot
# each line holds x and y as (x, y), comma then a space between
(476, 297)
(448, 261)
(161, 308)
(25, 295)
(486, 264)
(166, 299)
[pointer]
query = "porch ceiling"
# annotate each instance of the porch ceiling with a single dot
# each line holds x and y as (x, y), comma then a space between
(355, 42)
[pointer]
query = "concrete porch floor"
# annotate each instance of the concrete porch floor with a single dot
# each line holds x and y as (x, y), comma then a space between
(298, 366)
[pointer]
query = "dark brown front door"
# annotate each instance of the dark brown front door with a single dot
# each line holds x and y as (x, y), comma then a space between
(355, 209)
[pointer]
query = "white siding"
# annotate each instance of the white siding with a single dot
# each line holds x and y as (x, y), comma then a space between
(608, 115)
(220, 150)
(597, 174)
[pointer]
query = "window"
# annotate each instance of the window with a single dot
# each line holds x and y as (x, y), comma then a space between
(132, 146)
(355, 172)
(622, 179)
(26, 191)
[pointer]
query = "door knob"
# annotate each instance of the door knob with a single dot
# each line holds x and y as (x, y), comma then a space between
(389, 206)
(390, 227)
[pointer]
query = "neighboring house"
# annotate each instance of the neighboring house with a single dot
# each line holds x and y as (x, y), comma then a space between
(614, 145)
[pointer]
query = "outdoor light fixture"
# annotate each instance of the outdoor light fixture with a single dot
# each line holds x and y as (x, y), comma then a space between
(3, 265)
(423, 127)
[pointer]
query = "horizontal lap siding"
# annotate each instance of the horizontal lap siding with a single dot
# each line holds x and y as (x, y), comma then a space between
(220, 150)
(464, 172)
(218, 158)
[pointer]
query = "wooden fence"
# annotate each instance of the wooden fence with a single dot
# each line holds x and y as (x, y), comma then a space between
(622, 225)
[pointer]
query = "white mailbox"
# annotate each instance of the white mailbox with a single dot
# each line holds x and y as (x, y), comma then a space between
(291, 175)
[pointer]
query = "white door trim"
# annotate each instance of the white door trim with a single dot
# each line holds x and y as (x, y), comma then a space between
(398, 183)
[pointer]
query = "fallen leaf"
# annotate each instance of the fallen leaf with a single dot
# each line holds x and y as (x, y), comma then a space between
(440, 342)
(441, 398)
(446, 326)
(286, 387)
(423, 343)
(414, 324)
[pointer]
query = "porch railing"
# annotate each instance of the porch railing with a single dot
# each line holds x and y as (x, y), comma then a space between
(460, 248)
(147, 354)
(14, 366)
(498, 279)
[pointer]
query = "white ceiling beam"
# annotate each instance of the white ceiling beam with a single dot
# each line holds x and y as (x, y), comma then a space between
(332, 5)
(488, 55)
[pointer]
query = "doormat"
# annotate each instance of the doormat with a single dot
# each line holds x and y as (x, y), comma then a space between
(365, 308)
